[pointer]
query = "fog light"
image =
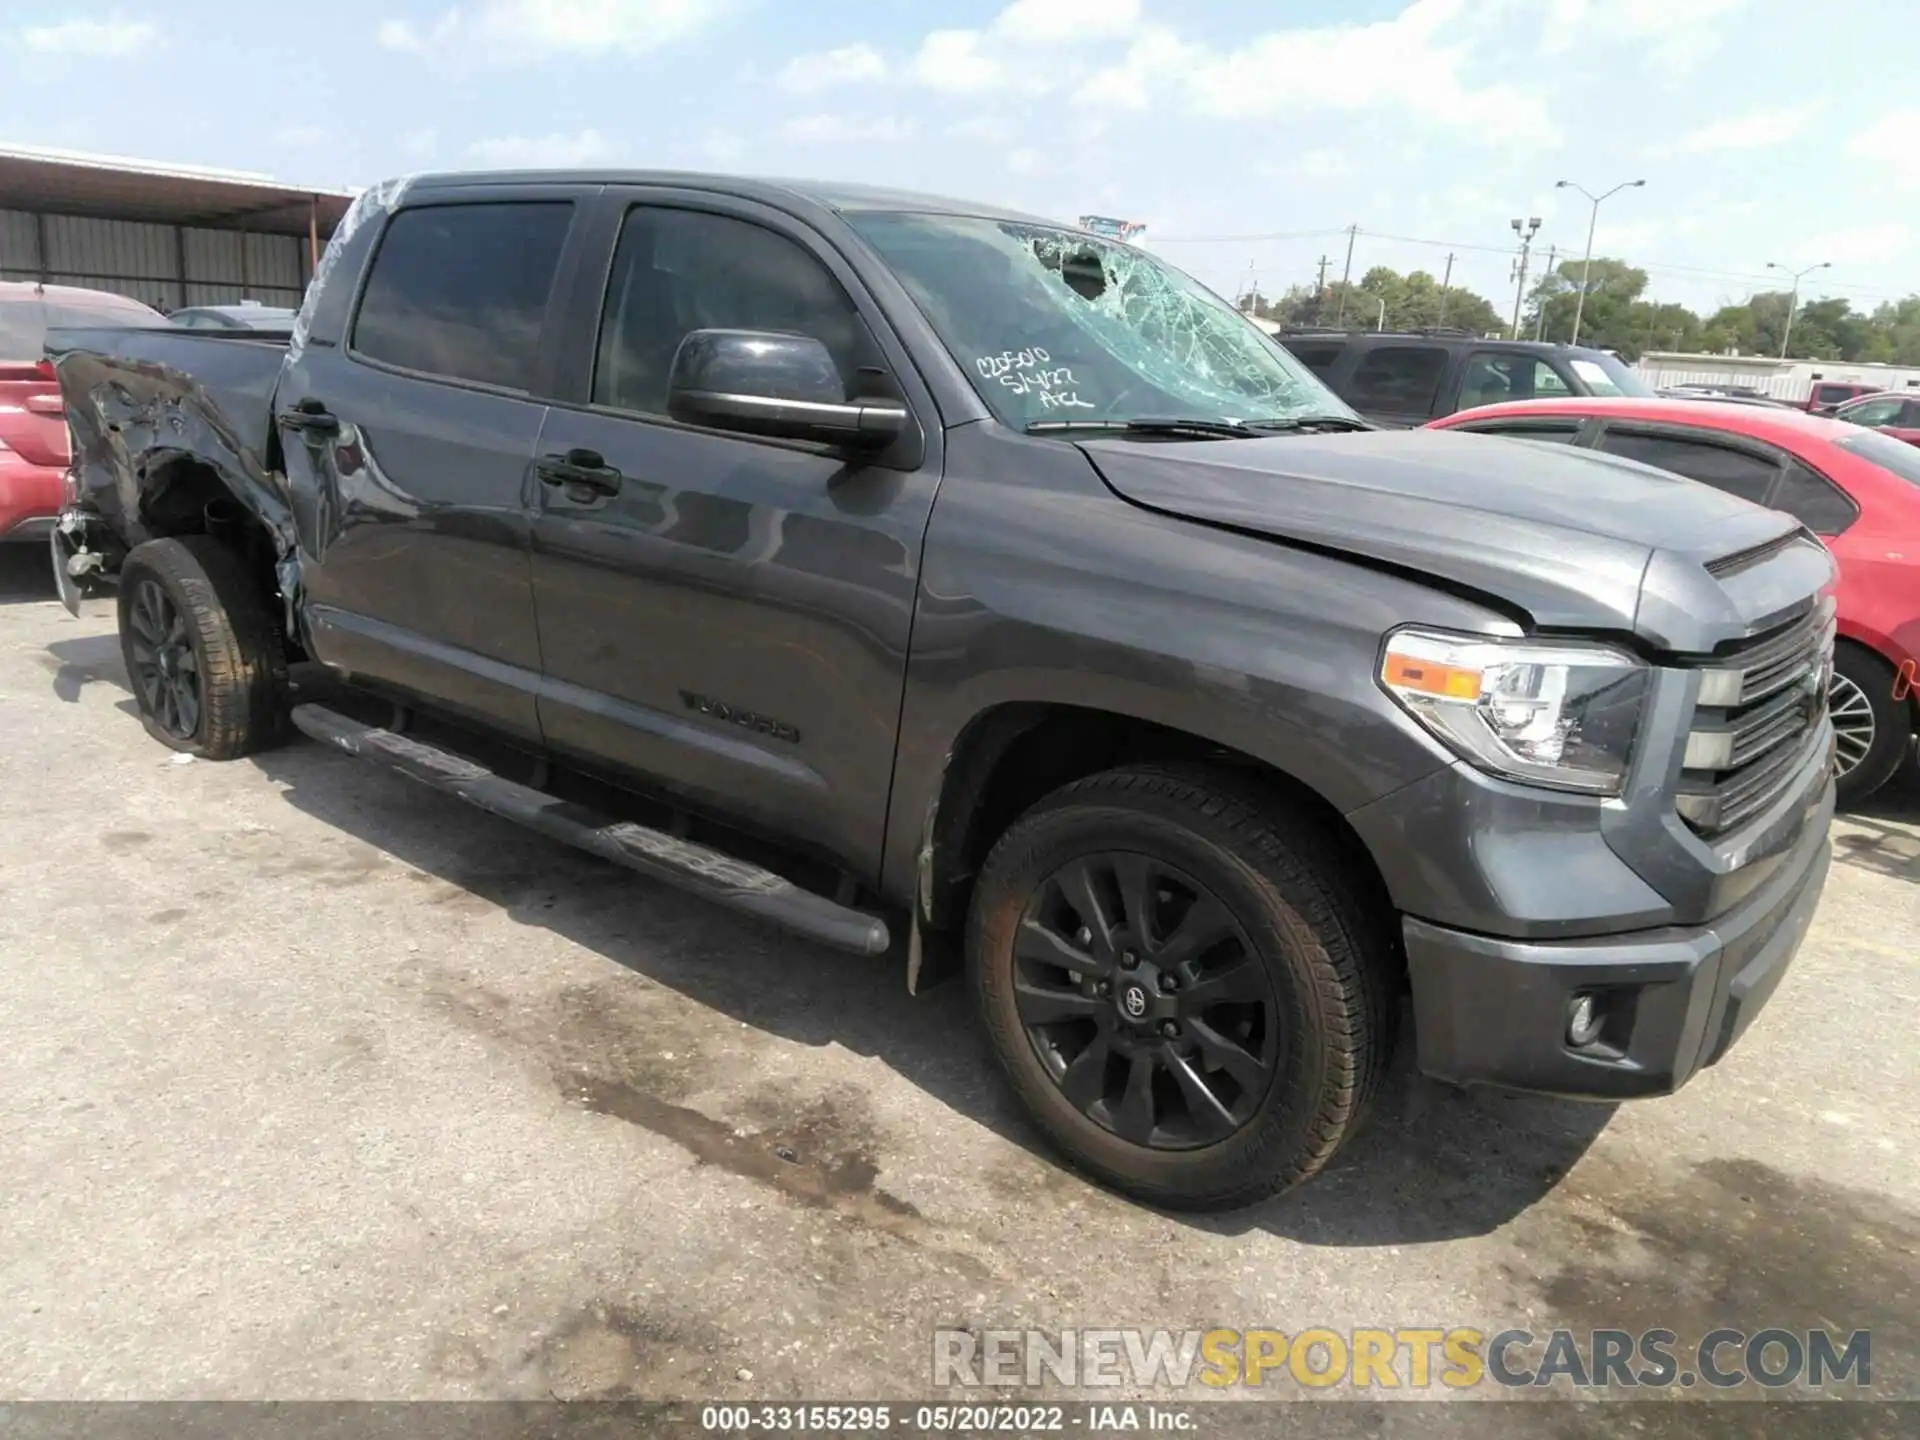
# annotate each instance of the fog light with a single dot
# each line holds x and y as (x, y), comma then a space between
(1583, 1021)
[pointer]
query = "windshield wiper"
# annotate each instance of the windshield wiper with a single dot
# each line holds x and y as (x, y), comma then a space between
(1290, 423)
(1150, 425)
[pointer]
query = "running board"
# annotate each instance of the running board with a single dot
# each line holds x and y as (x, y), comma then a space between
(732, 882)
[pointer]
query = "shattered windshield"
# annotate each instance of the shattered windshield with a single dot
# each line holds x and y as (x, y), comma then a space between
(1058, 325)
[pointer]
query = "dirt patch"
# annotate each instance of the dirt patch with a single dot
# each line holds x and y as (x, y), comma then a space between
(1729, 1243)
(616, 1352)
(119, 842)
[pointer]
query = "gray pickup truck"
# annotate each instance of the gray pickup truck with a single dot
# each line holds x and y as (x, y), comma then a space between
(940, 581)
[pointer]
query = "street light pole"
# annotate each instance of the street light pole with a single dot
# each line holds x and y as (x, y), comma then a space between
(1593, 219)
(1793, 301)
(1526, 234)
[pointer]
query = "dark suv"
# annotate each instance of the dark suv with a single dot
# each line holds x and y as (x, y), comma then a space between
(1403, 380)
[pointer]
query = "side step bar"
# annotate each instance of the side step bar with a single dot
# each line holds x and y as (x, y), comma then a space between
(731, 882)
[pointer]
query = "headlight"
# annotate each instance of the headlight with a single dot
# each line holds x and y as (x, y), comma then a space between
(1561, 715)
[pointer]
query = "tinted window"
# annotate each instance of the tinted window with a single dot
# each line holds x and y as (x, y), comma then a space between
(1397, 379)
(1748, 476)
(1814, 501)
(461, 290)
(1552, 434)
(1492, 377)
(1895, 456)
(1317, 355)
(682, 270)
(25, 319)
(1873, 412)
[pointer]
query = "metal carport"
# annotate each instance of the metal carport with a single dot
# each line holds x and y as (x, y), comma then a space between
(168, 235)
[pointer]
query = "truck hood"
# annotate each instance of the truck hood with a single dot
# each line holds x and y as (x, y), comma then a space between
(1573, 539)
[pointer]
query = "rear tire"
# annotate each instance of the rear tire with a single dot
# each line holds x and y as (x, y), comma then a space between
(1873, 732)
(1252, 1055)
(202, 649)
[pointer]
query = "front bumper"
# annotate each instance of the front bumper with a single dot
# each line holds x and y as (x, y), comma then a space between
(1672, 1001)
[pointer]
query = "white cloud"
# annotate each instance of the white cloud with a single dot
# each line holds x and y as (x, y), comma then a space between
(302, 137)
(845, 129)
(1056, 22)
(956, 61)
(1156, 56)
(723, 147)
(848, 65)
(1888, 144)
(1757, 131)
(1026, 161)
(1673, 35)
(509, 31)
(535, 152)
(983, 127)
(1415, 60)
(111, 38)
(1856, 244)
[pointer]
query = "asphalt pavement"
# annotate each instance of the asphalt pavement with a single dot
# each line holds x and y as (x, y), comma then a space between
(316, 1084)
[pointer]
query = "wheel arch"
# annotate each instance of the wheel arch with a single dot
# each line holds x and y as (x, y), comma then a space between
(1014, 753)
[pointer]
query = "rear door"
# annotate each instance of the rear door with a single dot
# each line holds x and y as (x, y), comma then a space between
(1492, 376)
(1397, 385)
(721, 615)
(409, 445)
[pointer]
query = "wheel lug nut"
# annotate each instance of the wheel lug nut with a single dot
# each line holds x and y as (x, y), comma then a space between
(1169, 1029)
(1128, 959)
(1169, 984)
(1106, 987)
(1083, 937)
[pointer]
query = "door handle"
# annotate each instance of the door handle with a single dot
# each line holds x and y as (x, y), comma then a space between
(312, 417)
(581, 470)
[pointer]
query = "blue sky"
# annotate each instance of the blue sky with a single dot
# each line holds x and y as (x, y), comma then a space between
(1764, 134)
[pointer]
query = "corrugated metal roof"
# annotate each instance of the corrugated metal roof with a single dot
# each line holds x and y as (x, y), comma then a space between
(112, 188)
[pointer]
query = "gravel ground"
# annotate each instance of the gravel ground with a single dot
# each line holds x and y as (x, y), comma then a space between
(317, 1084)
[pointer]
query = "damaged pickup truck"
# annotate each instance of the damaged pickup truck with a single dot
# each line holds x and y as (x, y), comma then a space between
(1031, 603)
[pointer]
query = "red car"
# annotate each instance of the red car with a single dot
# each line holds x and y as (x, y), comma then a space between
(1856, 488)
(1889, 412)
(33, 427)
(1829, 395)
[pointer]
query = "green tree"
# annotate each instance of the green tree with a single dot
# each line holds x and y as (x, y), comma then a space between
(1413, 301)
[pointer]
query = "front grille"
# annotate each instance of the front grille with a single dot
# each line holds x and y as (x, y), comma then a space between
(1757, 718)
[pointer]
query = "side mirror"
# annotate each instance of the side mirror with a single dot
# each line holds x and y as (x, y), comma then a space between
(762, 382)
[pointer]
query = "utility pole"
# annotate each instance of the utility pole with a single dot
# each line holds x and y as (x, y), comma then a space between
(1446, 284)
(1526, 230)
(1540, 322)
(1346, 277)
(1793, 302)
(1593, 218)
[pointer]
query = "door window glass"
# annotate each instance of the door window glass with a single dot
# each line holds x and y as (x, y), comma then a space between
(1397, 380)
(1734, 471)
(461, 290)
(677, 271)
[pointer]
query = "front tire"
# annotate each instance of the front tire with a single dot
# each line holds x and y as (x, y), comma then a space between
(1872, 731)
(1189, 993)
(201, 648)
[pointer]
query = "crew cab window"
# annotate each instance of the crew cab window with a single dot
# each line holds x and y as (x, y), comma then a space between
(1815, 501)
(677, 271)
(1397, 380)
(461, 290)
(1492, 377)
(1735, 471)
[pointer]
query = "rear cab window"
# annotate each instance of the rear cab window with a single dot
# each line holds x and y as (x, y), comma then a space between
(1894, 456)
(1319, 356)
(460, 291)
(1815, 501)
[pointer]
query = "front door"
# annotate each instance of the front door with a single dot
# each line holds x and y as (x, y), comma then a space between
(727, 617)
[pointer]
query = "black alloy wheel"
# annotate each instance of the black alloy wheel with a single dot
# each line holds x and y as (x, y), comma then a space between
(1145, 1001)
(162, 659)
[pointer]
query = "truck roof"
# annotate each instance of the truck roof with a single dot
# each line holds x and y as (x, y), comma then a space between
(832, 195)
